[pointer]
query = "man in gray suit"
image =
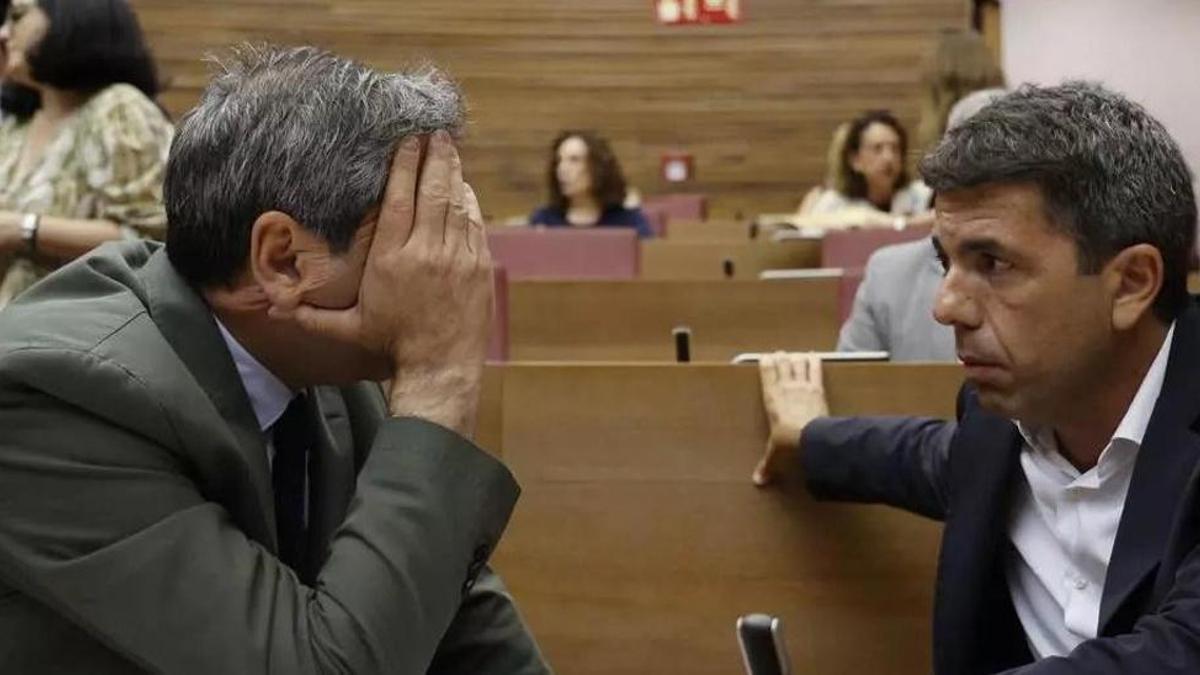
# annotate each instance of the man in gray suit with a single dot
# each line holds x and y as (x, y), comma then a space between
(197, 471)
(893, 307)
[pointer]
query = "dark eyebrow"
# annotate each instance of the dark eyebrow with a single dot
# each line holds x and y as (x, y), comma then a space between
(985, 245)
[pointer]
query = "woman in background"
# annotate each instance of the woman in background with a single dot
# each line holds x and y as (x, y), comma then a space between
(960, 63)
(86, 167)
(587, 187)
(872, 185)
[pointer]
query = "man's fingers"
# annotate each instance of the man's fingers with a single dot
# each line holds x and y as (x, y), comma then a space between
(762, 472)
(476, 235)
(815, 376)
(433, 191)
(474, 211)
(458, 223)
(767, 370)
(787, 367)
(396, 212)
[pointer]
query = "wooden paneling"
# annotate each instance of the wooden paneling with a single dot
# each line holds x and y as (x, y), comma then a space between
(639, 538)
(754, 103)
(632, 320)
(700, 260)
(708, 230)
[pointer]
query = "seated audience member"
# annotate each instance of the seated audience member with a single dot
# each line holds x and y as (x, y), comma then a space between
(198, 471)
(833, 158)
(893, 307)
(1065, 216)
(86, 167)
(872, 182)
(587, 187)
(958, 64)
(15, 100)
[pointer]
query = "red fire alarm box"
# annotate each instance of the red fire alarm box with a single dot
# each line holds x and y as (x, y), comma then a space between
(684, 12)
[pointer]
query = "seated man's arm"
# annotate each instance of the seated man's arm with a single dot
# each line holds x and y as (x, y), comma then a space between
(103, 523)
(488, 636)
(899, 461)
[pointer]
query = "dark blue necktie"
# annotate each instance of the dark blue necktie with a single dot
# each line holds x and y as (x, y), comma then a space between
(292, 437)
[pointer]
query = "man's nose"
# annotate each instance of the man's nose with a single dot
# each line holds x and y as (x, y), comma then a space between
(954, 305)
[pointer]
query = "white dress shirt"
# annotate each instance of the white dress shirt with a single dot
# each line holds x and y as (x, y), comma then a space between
(1063, 525)
(269, 396)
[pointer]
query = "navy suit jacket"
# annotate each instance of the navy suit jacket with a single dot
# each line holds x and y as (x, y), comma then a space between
(964, 475)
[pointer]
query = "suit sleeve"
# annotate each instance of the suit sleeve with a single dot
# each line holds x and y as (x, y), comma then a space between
(900, 461)
(864, 330)
(488, 636)
(104, 525)
(1164, 643)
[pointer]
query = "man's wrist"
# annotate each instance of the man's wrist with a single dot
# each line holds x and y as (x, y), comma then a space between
(448, 397)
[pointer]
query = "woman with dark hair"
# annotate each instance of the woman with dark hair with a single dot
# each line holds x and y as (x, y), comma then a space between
(871, 181)
(587, 187)
(86, 167)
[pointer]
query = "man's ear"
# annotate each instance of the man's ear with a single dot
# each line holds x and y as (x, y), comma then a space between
(277, 242)
(1134, 278)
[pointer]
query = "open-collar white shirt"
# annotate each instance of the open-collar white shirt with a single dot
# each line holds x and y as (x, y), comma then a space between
(1064, 522)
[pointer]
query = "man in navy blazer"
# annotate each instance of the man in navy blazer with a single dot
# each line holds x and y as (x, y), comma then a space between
(1069, 487)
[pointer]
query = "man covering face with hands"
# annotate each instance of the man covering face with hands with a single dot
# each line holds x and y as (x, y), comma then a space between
(199, 473)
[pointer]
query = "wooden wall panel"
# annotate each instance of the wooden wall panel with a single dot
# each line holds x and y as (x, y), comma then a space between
(639, 538)
(755, 103)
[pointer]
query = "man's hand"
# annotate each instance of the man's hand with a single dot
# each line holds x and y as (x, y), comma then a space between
(425, 300)
(794, 395)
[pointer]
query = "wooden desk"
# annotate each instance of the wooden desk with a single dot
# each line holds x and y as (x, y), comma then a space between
(669, 259)
(632, 320)
(708, 230)
(639, 538)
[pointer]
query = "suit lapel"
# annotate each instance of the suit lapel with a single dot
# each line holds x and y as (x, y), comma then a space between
(188, 325)
(1164, 466)
(974, 623)
(331, 472)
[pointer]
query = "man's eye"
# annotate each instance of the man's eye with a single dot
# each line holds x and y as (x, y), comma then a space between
(991, 264)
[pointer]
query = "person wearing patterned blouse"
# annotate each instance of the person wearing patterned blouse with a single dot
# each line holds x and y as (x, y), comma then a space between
(87, 167)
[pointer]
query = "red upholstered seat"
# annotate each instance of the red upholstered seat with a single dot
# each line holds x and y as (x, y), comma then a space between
(549, 253)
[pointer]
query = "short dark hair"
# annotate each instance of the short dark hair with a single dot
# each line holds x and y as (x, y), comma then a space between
(608, 181)
(1109, 173)
(292, 129)
(852, 183)
(91, 44)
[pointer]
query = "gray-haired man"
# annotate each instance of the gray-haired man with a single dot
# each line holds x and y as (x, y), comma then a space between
(1070, 486)
(196, 475)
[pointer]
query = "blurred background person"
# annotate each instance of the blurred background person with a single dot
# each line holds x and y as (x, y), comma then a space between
(86, 167)
(893, 307)
(587, 187)
(833, 158)
(872, 182)
(15, 100)
(958, 64)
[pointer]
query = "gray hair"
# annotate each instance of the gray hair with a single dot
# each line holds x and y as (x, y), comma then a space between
(971, 104)
(297, 130)
(1110, 174)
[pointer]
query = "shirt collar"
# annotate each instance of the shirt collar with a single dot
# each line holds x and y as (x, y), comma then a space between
(1137, 416)
(269, 396)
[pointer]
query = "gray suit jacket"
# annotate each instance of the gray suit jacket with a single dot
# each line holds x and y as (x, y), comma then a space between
(136, 516)
(893, 308)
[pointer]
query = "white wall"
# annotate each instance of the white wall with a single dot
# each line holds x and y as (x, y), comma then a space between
(1146, 49)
